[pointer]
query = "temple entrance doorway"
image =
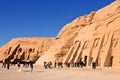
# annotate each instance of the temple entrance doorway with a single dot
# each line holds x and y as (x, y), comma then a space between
(111, 61)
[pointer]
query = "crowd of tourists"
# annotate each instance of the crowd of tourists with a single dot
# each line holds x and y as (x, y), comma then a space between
(81, 64)
(50, 65)
(6, 64)
(47, 65)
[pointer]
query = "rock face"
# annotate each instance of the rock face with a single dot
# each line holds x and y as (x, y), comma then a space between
(99, 40)
(94, 37)
(91, 38)
(25, 49)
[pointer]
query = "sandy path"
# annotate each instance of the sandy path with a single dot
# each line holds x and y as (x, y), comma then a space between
(59, 74)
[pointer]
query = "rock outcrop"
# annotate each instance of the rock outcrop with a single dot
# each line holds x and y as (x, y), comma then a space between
(99, 41)
(25, 49)
(90, 38)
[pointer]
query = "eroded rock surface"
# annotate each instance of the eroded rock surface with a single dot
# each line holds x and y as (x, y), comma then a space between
(93, 37)
(25, 49)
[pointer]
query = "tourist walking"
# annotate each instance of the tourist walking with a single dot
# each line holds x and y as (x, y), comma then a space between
(4, 64)
(55, 64)
(31, 66)
(18, 64)
(8, 65)
(93, 65)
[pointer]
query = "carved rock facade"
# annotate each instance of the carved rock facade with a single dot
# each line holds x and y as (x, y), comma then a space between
(96, 38)
(100, 40)
(25, 49)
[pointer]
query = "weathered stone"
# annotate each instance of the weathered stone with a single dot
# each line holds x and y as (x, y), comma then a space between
(93, 37)
(25, 49)
(99, 41)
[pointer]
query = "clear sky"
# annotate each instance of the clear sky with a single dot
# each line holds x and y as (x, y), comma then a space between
(41, 18)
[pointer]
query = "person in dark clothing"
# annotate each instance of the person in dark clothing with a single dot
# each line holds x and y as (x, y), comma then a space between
(78, 64)
(55, 64)
(81, 64)
(45, 65)
(8, 65)
(58, 65)
(4, 65)
(50, 63)
(18, 64)
(61, 64)
(93, 65)
(31, 66)
(68, 65)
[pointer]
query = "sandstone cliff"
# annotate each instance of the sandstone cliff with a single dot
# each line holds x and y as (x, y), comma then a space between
(98, 41)
(25, 49)
(77, 39)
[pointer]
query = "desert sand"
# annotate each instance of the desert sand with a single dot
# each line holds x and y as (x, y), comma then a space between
(39, 73)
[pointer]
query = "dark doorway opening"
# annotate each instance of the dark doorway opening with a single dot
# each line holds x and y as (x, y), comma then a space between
(111, 61)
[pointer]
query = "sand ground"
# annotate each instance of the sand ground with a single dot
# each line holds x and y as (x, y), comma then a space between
(40, 73)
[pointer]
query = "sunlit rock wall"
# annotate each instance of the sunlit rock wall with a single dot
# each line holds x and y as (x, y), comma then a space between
(25, 49)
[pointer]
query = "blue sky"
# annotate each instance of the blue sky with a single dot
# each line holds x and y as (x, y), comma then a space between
(41, 18)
